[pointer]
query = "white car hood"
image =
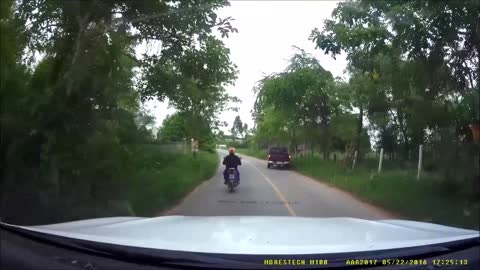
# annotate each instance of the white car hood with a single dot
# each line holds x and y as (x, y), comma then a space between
(257, 235)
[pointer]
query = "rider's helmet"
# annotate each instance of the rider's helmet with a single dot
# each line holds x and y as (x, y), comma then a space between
(231, 150)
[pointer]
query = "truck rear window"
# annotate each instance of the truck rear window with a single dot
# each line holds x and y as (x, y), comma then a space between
(279, 150)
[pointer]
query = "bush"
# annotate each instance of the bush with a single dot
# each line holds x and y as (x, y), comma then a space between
(431, 199)
(154, 190)
(141, 179)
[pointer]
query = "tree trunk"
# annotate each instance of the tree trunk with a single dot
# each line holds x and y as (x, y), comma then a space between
(304, 146)
(403, 129)
(477, 96)
(82, 25)
(359, 131)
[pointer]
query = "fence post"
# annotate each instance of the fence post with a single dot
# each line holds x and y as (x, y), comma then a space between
(354, 160)
(380, 161)
(420, 157)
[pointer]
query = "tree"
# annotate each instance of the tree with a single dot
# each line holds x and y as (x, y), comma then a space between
(193, 83)
(388, 140)
(76, 114)
(305, 96)
(411, 54)
(237, 126)
(272, 129)
(174, 128)
(14, 118)
(414, 69)
(245, 130)
(75, 31)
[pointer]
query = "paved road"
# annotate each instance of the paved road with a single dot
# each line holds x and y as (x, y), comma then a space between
(272, 192)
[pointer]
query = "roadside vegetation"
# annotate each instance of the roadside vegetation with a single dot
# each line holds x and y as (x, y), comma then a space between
(149, 184)
(396, 189)
(76, 139)
(431, 199)
(411, 86)
(164, 179)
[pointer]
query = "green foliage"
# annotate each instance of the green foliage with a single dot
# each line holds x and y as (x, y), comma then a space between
(193, 83)
(414, 76)
(414, 72)
(344, 130)
(237, 127)
(74, 119)
(178, 128)
(272, 129)
(167, 179)
(174, 129)
(304, 105)
(237, 144)
(258, 153)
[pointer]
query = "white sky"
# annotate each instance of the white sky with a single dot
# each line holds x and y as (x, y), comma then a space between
(267, 30)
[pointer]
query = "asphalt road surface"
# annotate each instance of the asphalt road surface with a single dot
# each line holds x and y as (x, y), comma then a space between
(272, 192)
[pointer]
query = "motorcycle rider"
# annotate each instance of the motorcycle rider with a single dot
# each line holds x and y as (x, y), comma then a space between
(231, 161)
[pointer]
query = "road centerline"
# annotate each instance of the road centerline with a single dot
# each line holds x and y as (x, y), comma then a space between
(277, 192)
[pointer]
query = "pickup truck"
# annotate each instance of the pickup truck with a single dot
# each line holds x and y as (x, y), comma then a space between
(278, 156)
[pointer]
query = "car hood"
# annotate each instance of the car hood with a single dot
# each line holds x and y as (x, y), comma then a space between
(257, 235)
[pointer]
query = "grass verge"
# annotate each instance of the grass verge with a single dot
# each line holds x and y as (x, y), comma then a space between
(428, 199)
(167, 179)
(395, 189)
(149, 181)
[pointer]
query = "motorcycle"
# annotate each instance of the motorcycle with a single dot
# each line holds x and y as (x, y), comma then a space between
(232, 180)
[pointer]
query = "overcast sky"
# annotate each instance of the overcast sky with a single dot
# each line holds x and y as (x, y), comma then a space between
(267, 30)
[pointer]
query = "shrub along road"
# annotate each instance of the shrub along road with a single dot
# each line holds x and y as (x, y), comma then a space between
(395, 189)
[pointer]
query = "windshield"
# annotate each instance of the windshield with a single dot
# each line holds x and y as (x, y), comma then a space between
(130, 109)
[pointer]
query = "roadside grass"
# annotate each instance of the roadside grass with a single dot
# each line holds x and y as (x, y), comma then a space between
(166, 178)
(397, 190)
(148, 182)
